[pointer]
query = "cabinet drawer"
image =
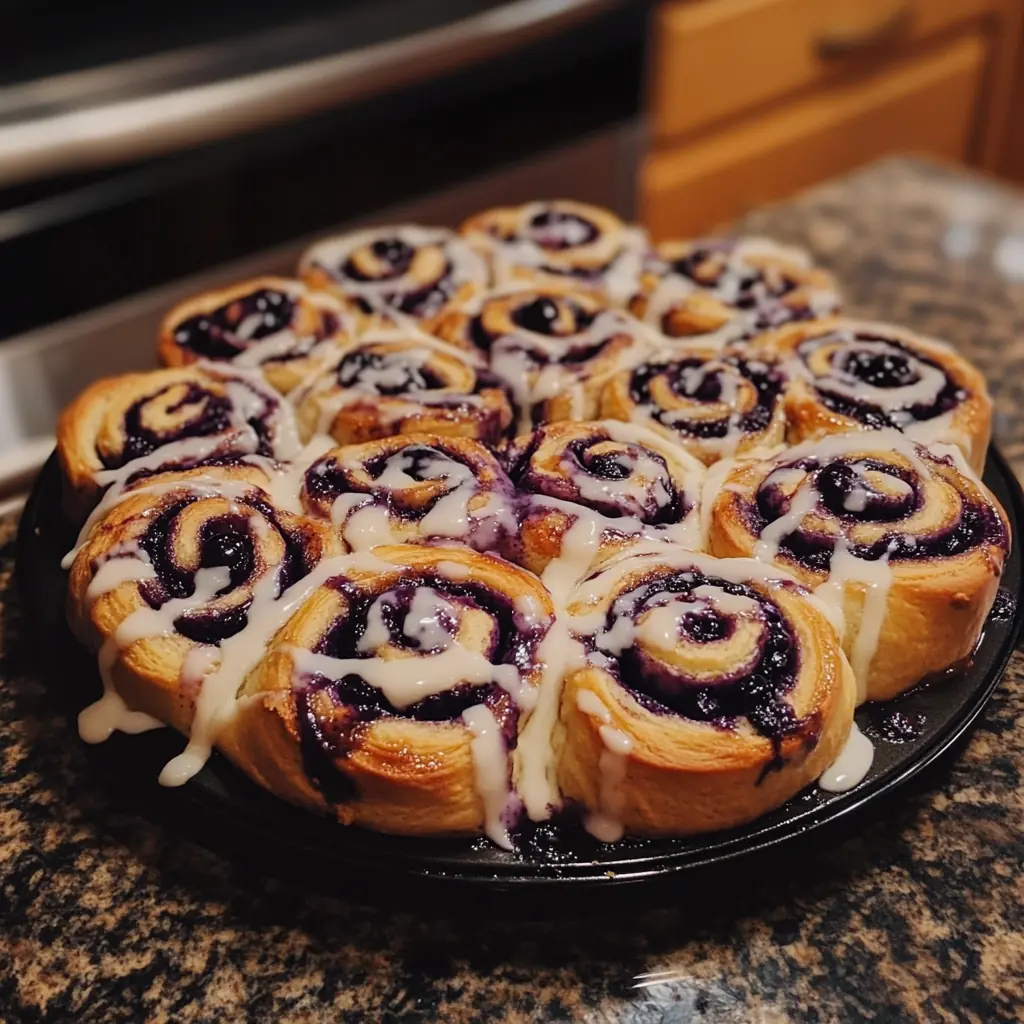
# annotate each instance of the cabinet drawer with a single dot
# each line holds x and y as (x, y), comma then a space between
(717, 58)
(925, 106)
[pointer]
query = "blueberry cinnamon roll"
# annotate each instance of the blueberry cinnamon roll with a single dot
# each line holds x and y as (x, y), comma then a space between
(848, 375)
(397, 274)
(713, 690)
(400, 694)
(587, 489)
(171, 590)
(412, 487)
(554, 349)
(730, 288)
(135, 426)
(560, 242)
(272, 324)
(903, 539)
(714, 404)
(400, 382)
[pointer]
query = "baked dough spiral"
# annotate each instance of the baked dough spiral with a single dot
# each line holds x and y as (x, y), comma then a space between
(553, 348)
(713, 404)
(398, 382)
(273, 324)
(166, 588)
(713, 691)
(399, 695)
(560, 242)
(412, 487)
(587, 489)
(124, 429)
(395, 274)
(903, 539)
(853, 375)
(730, 288)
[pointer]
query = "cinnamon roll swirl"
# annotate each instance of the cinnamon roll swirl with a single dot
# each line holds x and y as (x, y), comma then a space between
(396, 274)
(399, 382)
(413, 487)
(399, 695)
(562, 243)
(902, 538)
(124, 429)
(730, 288)
(167, 588)
(587, 489)
(713, 404)
(713, 691)
(272, 324)
(850, 375)
(553, 348)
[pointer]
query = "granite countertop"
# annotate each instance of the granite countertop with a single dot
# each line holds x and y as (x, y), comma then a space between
(915, 915)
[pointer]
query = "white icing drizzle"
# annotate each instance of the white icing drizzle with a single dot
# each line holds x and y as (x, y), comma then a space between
(875, 576)
(605, 823)
(852, 765)
(464, 265)
(100, 719)
(536, 754)
(490, 764)
(533, 365)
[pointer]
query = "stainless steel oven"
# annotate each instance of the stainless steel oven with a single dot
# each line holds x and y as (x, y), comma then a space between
(147, 153)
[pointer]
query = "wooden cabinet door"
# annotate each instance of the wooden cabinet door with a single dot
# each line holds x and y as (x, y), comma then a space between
(926, 105)
(716, 59)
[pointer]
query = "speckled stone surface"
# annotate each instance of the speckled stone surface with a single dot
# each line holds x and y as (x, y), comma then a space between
(107, 916)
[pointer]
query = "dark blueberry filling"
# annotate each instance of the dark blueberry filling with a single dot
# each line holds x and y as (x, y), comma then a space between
(212, 335)
(396, 255)
(609, 466)
(401, 376)
(894, 369)
(326, 739)
(224, 540)
(512, 645)
(767, 380)
(542, 314)
(227, 458)
(557, 231)
(838, 480)
(755, 694)
(357, 703)
(427, 301)
(689, 265)
(978, 523)
(880, 369)
(213, 416)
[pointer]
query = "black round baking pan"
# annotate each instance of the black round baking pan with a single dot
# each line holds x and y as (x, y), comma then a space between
(221, 805)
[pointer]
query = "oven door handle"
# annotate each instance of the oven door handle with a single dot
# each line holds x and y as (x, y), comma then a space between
(118, 131)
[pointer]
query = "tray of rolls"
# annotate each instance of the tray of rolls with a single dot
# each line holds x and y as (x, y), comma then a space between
(529, 552)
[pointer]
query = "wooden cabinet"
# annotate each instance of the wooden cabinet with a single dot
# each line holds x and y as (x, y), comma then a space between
(753, 99)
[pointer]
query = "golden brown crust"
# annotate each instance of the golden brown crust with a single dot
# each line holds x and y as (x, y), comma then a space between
(681, 776)
(969, 423)
(149, 670)
(128, 429)
(684, 306)
(394, 774)
(438, 391)
(934, 609)
(559, 242)
(316, 321)
(559, 470)
(743, 416)
(396, 275)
